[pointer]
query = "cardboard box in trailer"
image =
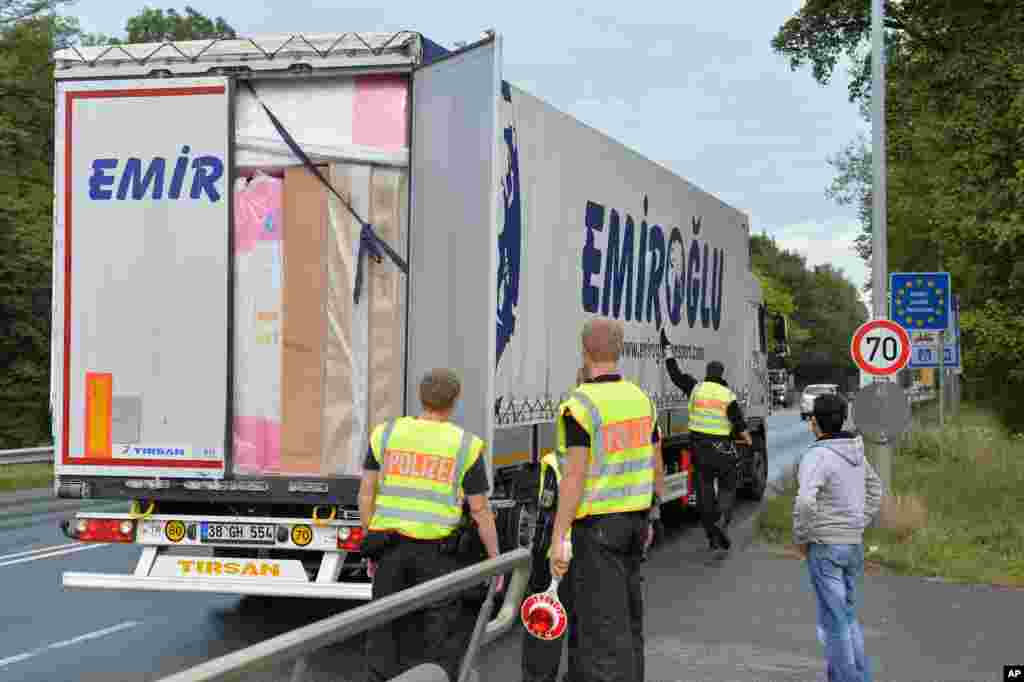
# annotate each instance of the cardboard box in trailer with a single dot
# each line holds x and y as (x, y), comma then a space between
(261, 245)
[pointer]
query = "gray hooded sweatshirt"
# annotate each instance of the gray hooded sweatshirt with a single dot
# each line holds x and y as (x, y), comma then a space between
(839, 493)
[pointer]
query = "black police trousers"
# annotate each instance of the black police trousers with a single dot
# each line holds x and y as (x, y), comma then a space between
(608, 590)
(426, 636)
(542, 658)
(714, 459)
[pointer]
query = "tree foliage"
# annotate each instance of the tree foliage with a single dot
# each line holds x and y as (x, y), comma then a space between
(12, 11)
(823, 306)
(955, 144)
(30, 30)
(157, 26)
(27, 35)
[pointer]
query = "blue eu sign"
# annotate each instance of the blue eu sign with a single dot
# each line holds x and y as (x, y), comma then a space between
(920, 301)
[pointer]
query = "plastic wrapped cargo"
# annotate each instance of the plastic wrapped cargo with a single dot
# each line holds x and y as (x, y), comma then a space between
(315, 371)
(257, 330)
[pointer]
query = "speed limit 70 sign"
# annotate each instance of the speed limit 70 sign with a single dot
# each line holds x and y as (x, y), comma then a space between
(880, 347)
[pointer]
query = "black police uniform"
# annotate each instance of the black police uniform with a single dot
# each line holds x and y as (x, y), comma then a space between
(542, 658)
(431, 635)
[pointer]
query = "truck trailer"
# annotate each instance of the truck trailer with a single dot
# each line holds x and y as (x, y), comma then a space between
(262, 244)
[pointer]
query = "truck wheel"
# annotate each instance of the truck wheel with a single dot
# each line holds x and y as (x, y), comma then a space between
(758, 483)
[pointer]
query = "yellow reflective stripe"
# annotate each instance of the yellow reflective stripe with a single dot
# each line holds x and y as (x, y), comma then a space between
(419, 506)
(418, 484)
(403, 492)
(621, 480)
(623, 488)
(641, 464)
(621, 505)
(410, 528)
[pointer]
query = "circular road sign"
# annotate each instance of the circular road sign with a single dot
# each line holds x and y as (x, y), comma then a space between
(881, 411)
(880, 347)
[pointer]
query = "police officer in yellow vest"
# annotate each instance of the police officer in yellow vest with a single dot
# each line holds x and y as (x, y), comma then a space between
(416, 473)
(612, 472)
(714, 416)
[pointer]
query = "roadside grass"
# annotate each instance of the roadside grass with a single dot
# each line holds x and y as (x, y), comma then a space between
(25, 476)
(957, 511)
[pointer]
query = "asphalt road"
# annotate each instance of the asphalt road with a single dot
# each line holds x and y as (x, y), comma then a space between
(52, 635)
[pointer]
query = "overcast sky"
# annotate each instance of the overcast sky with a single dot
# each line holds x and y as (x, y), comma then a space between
(694, 86)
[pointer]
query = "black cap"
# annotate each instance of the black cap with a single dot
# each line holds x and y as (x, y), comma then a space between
(829, 404)
(716, 369)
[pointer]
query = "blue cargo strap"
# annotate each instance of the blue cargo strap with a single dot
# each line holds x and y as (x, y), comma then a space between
(369, 242)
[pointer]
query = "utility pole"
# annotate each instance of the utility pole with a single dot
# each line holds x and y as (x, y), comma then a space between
(879, 250)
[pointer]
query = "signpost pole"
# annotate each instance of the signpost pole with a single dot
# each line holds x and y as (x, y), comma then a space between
(956, 383)
(879, 257)
(942, 381)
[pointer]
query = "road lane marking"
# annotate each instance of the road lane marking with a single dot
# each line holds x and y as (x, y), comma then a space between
(70, 550)
(96, 634)
(38, 550)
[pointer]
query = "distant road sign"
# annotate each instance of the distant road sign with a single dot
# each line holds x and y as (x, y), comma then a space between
(880, 347)
(923, 351)
(920, 300)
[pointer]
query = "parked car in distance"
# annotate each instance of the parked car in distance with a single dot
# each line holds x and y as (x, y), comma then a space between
(811, 392)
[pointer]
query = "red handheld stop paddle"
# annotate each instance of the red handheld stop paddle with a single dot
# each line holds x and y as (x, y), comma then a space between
(543, 613)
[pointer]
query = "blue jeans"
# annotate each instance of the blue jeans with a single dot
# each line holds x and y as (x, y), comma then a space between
(837, 577)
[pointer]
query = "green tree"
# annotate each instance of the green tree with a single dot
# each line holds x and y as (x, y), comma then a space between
(12, 11)
(30, 30)
(823, 306)
(28, 33)
(955, 124)
(157, 26)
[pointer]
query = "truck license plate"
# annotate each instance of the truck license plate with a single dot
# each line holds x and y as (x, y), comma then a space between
(245, 533)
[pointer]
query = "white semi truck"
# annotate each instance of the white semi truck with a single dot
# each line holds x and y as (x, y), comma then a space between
(260, 246)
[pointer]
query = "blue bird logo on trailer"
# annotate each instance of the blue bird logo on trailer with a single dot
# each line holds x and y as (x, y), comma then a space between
(510, 241)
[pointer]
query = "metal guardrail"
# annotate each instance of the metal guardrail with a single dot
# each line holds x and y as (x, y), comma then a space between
(26, 456)
(302, 642)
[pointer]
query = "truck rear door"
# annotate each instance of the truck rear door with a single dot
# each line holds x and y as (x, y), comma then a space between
(454, 229)
(142, 270)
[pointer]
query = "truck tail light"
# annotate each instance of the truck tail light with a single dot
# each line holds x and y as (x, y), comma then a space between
(686, 464)
(105, 530)
(350, 538)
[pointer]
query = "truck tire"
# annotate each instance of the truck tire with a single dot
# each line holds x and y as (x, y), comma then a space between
(757, 483)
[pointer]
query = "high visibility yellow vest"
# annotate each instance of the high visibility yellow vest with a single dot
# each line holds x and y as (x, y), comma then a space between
(619, 418)
(709, 405)
(423, 464)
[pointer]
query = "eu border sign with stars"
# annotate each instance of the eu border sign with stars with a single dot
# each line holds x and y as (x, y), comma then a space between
(920, 301)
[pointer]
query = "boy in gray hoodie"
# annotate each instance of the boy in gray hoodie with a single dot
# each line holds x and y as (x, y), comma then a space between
(839, 496)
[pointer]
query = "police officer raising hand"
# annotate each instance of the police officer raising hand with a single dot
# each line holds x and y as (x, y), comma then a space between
(713, 417)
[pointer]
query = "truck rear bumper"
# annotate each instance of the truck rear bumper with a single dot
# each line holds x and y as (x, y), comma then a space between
(159, 570)
(112, 581)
